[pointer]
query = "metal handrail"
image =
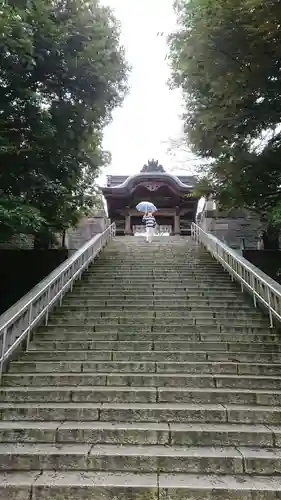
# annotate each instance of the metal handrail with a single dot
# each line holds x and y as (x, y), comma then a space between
(263, 288)
(17, 323)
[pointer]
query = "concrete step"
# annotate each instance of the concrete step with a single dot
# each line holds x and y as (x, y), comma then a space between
(171, 263)
(180, 274)
(135, 308)
(196, 392)
(135, 486)
(155, 293)
(161, 285)
(217, 487)
(232, 329)
(153, 281)
(152, 295)
(138, 361)
(183, 273)
(86, 341)
(122, 287)
(174, 313)
(155, 355)
(196, 299)
(84, 362)
(79, 394)
(86, 344)
(166, 378)
(104, 433)
(84, 335)
(145, 323)
(145, 459)
(158, 302)
(133, 266)
(141, 412)
(169, 280)
(129, 433)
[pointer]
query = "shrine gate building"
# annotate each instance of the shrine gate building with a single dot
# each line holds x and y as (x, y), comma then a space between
(172, 195)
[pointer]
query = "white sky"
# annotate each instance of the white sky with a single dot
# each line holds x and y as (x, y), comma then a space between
(150, 115)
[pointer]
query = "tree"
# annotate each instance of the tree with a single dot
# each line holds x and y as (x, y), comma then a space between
(63, 71)
(152, 166)
(226, 58)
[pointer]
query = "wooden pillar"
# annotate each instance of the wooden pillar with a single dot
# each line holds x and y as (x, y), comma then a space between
(177, 229)
(128, 224)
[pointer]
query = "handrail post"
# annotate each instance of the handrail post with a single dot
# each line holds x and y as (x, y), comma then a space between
(47, 310)
(3, 351)
(29, 325)
(254, 291)
(269, 308)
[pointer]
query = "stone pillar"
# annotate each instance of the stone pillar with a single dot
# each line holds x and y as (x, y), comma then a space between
(128, 224)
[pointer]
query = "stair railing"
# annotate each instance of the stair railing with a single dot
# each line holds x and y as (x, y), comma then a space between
(262, 288)
(17, 323)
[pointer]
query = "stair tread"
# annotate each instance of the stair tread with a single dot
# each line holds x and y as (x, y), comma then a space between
(136, 406)
(182, 427)
(184, 363)
(48, 354)
(74, 479)
(123, 388)
(207, 482)
(220, 482)
(224, 343)
(139, 450)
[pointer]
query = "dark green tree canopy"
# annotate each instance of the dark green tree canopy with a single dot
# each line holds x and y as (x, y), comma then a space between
(226, 58)
(152, 166)
(63, 71)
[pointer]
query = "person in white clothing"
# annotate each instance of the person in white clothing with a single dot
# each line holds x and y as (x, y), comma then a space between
(150, 224)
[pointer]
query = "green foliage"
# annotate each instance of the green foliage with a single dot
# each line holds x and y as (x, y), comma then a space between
(203, 188)
(226, 58)
(152, 166)
(63, 71)
(14, 213)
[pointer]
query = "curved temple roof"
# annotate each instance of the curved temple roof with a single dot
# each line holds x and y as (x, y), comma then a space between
(182, 183)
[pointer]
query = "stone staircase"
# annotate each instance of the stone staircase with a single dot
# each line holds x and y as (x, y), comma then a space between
(155, 380)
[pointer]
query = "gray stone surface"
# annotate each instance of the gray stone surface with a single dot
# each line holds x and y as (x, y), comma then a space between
(87, 227)
(155, 369)
(238, 229)
(211, 487)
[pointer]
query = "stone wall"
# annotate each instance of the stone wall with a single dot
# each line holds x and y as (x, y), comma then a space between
(18, 241)
(237, 228)
(85, 230)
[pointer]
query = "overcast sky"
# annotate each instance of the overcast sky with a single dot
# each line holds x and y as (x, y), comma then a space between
(150, 115)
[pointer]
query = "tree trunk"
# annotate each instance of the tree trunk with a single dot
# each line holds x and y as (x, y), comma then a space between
(271, 238)
(42, 241)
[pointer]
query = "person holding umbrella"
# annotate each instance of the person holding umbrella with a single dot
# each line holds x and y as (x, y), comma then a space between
(150, 224)
(148, 218)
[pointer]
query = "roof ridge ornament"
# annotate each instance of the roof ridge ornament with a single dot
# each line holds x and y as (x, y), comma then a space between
(152, 166)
